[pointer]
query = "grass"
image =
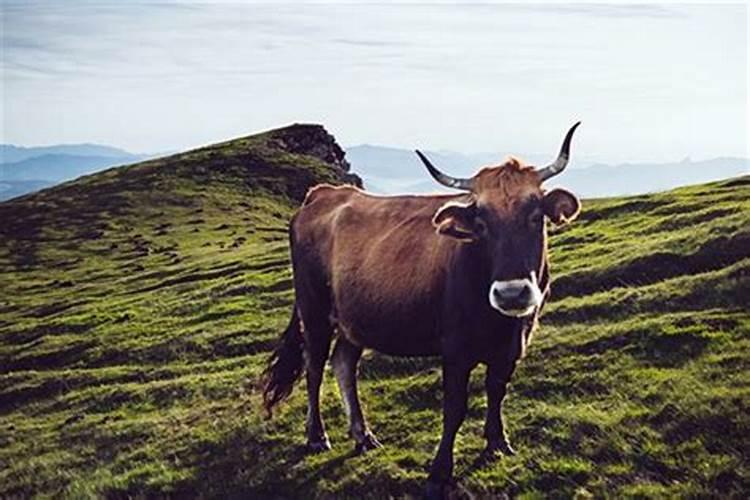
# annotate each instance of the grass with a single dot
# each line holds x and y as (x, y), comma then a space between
(138, 307)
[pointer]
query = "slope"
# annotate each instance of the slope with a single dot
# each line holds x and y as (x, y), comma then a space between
(138, 307)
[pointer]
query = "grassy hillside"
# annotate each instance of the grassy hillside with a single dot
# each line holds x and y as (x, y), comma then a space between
(138, 307)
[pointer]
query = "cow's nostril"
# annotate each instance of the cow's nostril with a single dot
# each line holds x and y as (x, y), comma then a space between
(511, 292)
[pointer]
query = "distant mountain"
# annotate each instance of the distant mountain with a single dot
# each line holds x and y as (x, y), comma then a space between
(636, 178)
(24, 170)
(396, 163)
(12, 189)
(394, 168)
(58, 167)
(392, 171)
(10, 153)
(383, 169)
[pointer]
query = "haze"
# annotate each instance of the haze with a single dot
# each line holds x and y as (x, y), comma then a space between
(651, 83)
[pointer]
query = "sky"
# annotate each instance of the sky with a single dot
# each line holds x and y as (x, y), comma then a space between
(651, 82)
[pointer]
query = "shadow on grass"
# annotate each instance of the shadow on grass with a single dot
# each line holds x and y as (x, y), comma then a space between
(244, 465)
(649, 346)
(714, 254)
(48, 359)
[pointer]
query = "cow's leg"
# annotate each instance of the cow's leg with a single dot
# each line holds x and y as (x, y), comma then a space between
(344, 360)
(317, 346)
(455, 394)
(496, 383)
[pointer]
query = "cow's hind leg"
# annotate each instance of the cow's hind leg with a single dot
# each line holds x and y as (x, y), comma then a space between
(345, 359)
(317, 335)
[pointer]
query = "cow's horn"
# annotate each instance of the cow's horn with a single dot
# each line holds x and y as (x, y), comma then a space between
(445, 180)
(561, 162)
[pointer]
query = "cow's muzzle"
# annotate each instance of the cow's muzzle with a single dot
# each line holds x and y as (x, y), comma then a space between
(516, 298)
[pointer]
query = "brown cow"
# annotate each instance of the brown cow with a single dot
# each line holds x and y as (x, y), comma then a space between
(458, 276)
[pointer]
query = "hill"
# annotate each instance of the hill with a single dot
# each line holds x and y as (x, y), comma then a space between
(393, 170)
(139, 304)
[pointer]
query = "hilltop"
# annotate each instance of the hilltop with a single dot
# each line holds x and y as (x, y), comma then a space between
(139, 305)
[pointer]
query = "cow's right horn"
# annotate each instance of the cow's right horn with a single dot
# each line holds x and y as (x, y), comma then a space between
(445, 180)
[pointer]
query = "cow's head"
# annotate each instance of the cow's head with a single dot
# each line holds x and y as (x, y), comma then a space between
(506, 213)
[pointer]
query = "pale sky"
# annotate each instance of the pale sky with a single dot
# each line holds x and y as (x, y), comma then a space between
(650, 82)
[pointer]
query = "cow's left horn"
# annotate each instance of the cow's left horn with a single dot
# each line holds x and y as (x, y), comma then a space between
(561, 162)
(445, 180)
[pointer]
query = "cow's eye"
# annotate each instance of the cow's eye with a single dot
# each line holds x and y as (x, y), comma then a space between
(480, 227)
(536, 218)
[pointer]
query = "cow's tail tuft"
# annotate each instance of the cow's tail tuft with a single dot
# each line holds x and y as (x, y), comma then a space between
(285, 365)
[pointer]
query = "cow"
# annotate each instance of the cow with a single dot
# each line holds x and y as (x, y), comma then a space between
(461, 276)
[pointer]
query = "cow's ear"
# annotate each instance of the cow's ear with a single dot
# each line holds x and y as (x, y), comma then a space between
(561, 206)
(458, 220)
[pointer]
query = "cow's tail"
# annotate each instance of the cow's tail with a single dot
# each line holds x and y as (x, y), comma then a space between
(285, 365)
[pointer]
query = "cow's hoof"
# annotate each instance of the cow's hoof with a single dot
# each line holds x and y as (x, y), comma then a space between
(319, 445)
(369, 442)
(437, 491)
(494, 449)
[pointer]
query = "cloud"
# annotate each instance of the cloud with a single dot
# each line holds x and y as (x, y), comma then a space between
(465, 77)
(368, 43)
(614, 10)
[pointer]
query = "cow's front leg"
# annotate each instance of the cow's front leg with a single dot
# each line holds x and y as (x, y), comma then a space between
(495, 383)
(455, 394)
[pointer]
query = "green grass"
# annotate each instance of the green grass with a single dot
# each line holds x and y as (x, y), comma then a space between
(138, 307)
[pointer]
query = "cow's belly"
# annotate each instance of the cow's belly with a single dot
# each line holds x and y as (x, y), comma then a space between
(394, 342)
(399, 326)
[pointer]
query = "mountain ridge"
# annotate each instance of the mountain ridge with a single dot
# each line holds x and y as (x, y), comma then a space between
(27, 169)
(58, 167)
(11, 153)
(392, 170)
(396, 170)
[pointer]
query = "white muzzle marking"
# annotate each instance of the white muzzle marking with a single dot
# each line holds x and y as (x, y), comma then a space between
(505, 296)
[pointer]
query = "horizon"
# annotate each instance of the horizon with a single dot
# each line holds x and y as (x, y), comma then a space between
(171, 77)
(383, 169)
(576, 163)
